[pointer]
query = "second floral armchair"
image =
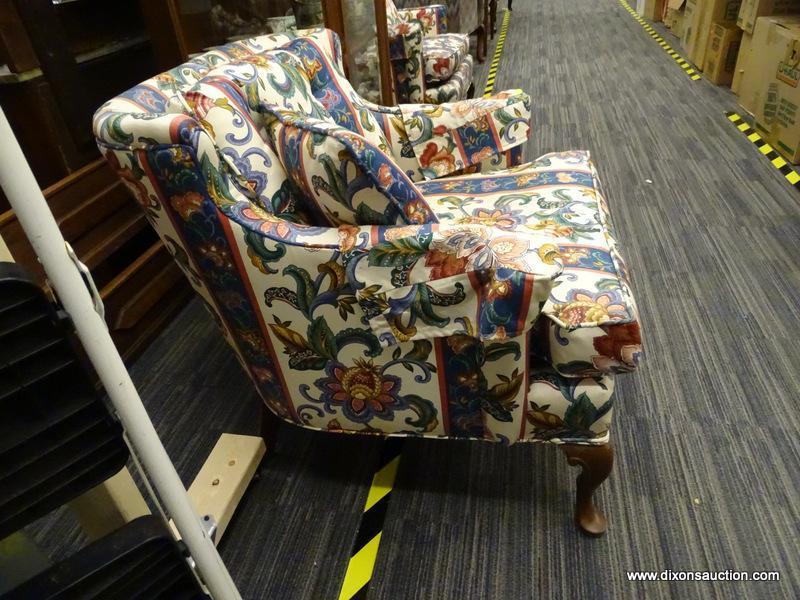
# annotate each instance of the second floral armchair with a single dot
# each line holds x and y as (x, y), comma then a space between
(428, 64)
(385, 270)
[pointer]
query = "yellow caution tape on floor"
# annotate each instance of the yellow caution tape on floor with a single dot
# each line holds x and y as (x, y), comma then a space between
(772, 155)
(365, 548)
(684, 64)
(498, 52)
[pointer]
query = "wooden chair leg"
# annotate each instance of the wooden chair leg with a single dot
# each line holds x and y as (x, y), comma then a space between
(596, 463)
(269, 427)
(480, 35)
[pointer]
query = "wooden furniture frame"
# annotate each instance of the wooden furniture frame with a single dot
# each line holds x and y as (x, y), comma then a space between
(141, 286)
(333, 15)
(50, 105)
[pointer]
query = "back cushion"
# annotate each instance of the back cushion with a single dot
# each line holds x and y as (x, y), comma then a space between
(335, 153)
(347, 179)
(329, 85)
(245, 148)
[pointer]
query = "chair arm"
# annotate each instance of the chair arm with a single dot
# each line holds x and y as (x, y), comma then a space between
(428, 281)
(453, 136)
(405, 56)
(433, 18)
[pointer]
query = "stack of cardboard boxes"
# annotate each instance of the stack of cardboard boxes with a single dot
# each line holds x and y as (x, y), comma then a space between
(766, 73)
(751, 45)
(673, 15)
(749, 13)
(768, 86)
(708, 33)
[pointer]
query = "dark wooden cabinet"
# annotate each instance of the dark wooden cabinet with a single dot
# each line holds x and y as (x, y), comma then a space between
(61, 62)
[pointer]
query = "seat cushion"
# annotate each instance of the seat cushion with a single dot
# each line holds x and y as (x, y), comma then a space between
(454, 89)
(442, 55)
(592, 323)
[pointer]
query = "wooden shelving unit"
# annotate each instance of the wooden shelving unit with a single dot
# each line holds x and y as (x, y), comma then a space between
(62, 60)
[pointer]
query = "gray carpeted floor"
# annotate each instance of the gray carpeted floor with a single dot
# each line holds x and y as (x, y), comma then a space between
(707, 473)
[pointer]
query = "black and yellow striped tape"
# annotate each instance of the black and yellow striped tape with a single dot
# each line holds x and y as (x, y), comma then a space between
(684, 64)
(498, 53)
(368, 538)
(772, 155)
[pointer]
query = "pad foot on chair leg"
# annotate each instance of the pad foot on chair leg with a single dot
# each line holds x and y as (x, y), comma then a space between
(596, 463)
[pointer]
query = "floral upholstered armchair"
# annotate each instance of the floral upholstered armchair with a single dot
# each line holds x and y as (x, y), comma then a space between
(384, 270)
(428, 64)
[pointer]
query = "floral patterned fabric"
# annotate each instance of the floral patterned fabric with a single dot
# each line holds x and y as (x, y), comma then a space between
(433, 18)
(428, 324)
(405, 56)
(454, 89)
(392, 122)
(462, 16)
(449, 138)
(488, 283)
(593, 323)
(443, 53)
(421, 53)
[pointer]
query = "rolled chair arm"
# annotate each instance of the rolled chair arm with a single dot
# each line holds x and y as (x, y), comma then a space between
(405, 56)
(451, 137)
(429, 281)
(433, 18)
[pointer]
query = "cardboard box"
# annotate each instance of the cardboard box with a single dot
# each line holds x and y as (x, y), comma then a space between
(769, 85)
(741, 61)
(753, 9)
(700, 15)
(756, 63)
(723, 48)
(674, 16)
(651, 9)
(691, 14)
(674, 22)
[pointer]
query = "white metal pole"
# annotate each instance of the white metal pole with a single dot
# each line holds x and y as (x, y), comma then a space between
(34, 215)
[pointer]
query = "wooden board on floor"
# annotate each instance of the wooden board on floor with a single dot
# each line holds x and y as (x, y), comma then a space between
(109, 506)
(224, 477)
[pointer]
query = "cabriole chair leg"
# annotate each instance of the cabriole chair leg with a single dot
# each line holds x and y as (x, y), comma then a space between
(269, 427)
(596, 463)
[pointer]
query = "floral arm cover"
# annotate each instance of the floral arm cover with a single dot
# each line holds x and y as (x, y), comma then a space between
(471, 135)
(447, 138)
(429, 281)
(433, 18)
(405, 56)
